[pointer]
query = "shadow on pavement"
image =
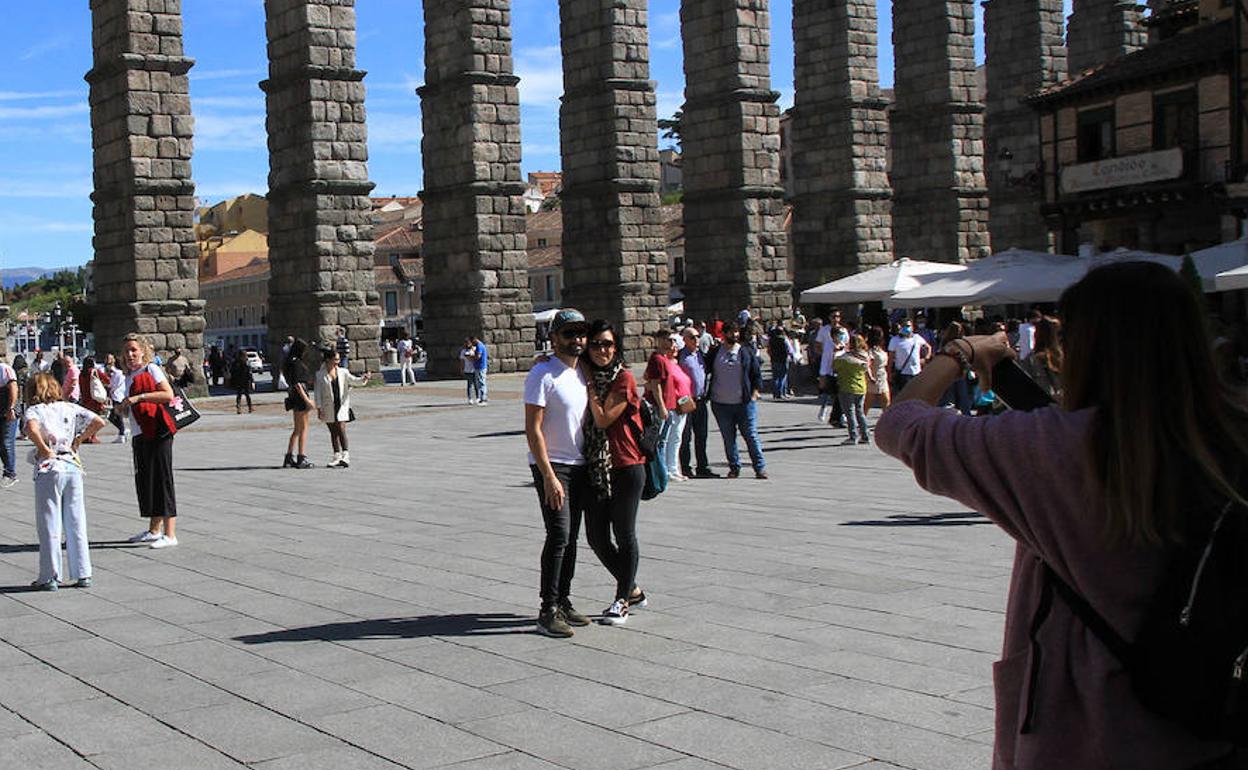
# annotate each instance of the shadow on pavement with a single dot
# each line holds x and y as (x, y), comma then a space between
(499, 434)
(471, 624)
(34, 547)
(232, 468)
(959, 519)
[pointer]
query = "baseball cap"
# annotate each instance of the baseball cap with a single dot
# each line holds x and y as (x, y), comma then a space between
(568, 316)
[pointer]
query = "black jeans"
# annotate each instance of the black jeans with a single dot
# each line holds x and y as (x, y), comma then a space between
(563, 527)
(619, 516)
(695, 427)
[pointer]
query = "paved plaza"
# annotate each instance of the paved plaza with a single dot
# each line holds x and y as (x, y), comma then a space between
(835, 616)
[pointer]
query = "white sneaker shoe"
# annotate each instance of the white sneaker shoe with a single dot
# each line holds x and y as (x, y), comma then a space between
(823, 414)
(616, 614)
(145, 536)
(163, 542)
(344, 460)
(121, 439)
(8, 481)
(334, 462)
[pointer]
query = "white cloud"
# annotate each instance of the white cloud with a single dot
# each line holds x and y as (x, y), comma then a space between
(229, 102)
(14, 96)
(23, 223)
(46, 111)
(44, 187)
(225, 74)
(395, 130)
(229, 188)
(541, 76)
(45, 47)
(665, 31)
(667, 102)
(214, 131)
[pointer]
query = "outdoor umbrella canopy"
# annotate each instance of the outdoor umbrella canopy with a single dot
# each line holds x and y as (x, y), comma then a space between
(879, 283)
(1013, 276)
(1232, 279)
(1216, 261)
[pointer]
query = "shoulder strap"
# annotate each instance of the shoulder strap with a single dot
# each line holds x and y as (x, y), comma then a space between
(1090, 617)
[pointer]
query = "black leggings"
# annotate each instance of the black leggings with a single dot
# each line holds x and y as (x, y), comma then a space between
(239, 393)
(337, 435)
(619, 516)
(114, 416)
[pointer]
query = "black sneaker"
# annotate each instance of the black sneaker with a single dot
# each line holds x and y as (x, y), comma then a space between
(637, 600)
(569, 614)
(288, 461)
(551, 623)
(734, 473)
(302, 463)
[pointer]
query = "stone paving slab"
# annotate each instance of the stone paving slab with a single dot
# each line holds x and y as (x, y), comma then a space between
(381, 617)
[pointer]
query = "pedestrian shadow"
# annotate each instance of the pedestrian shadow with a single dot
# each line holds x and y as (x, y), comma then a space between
(499, 434)
(94, 544)
(957, 519)
(230, 468)
(466, 624)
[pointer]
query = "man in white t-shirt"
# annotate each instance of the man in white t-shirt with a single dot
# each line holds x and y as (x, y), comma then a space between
(907, 352)
(555, 403)
(405, 359)
(8, 424)
(829, 342)
(1027, 334)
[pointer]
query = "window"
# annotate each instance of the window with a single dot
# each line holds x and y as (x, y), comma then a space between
(392, 303)
(541, 242)
(1174, 120)
(550, 288)
(1095, 139)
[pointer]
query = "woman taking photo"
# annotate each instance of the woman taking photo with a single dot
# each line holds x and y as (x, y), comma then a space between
(147, 392)
(299, 403)
(616, 466)
(1112, 488)
(332, 394)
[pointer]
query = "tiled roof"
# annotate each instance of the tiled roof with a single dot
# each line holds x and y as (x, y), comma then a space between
(400, 239)
(545, 256)
(256, 267)
(1202, 45)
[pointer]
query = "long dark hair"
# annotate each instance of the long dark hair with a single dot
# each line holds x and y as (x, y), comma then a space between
(1169, 436)
(1048, 346)
(596, 327)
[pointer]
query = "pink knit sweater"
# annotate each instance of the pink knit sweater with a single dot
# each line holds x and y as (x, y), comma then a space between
(1026, 472)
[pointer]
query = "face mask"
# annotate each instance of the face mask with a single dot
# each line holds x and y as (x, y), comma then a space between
(906, 331)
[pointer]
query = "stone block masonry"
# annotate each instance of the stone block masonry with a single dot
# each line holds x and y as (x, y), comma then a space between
(842, 209)
(1026, 52)
(940, 200)
(320, 214)
(1099, 31)
(476, 281)
(146, 259)
(614, 265)
(736, 248)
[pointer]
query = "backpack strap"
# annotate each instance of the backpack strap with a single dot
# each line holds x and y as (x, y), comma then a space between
(1090, 617)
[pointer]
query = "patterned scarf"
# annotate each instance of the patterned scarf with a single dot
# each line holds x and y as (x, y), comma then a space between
(597, 448)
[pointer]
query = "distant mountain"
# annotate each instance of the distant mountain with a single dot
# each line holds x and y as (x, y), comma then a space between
(12, 276)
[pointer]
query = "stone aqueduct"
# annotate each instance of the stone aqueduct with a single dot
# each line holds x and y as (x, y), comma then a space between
(846, 213)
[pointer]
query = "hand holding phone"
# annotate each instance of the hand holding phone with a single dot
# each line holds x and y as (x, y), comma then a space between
(1014, 386)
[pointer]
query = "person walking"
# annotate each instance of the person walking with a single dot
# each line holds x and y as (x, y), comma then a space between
(1114, 490)
(877, 373)
(616, 467)
(779, 354)
(735, 379)
(468, 365)
(555, 405)
(693, 440)
(406, 356)
(8, 424)
(242, 380)
(851, 374)
(57, 427)
(829, 341)
(661, 393)
(482, 362)
(147, 393)
(332, 394)
(299, 403)
(907, 353)
(116, 394)
(92, 391)
(69, 372)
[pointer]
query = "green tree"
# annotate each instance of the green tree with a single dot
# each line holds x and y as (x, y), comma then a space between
(671, 127)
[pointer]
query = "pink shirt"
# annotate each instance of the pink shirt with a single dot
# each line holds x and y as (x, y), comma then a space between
(1026, 472)
(682, 384)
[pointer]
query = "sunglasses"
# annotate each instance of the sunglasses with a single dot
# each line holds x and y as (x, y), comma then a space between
(602, 345)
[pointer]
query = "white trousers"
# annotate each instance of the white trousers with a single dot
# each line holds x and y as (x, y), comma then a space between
(59, 507)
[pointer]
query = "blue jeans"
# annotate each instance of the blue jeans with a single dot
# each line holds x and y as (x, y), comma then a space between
(59, 507)
(8, 446)
(481, 388)
(474, 390)
(851, 405)
(780, 378)
(744, 418)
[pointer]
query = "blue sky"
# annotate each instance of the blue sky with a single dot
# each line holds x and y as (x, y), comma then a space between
(45, 135)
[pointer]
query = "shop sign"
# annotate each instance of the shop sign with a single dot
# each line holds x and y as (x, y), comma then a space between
(1120, 172)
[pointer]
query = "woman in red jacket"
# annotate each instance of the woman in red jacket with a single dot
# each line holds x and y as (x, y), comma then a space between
(147, 392)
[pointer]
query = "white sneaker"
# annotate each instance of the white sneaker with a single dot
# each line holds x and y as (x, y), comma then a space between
(121, 439)
(334, 462)
(823, 414)
(8, 481)
(163, 542)
(145, 536)
(616, 614)
(344, 461)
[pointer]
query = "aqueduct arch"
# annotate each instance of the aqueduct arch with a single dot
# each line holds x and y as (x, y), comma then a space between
(847, 214)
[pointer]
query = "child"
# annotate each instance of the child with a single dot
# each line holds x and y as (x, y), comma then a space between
(57, 428)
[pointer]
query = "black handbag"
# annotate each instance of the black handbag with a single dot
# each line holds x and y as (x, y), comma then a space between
(180, 409)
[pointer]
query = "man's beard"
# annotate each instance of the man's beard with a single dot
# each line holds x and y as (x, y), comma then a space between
(571, 348)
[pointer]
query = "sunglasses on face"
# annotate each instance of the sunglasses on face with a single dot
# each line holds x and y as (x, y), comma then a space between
(602, 345)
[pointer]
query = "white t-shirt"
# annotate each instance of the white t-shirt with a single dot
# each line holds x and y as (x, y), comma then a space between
(7, 374)
(1026, 339)
(117, 384)
(560, 390)
(59, 422)
(158, 374)
(907, 353)
(826, 337)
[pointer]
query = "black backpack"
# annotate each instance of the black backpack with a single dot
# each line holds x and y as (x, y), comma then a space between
(1189, 659)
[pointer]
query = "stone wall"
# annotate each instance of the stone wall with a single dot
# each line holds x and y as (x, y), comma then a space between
(1025, 52)
(320, 215)
(842, 212)
(614, 265)
(1101, 30)
(141, 128)
(940, 201)
(736, 249)
(475, 262)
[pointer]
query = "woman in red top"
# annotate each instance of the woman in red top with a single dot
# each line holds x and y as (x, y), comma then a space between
(85, 399)
(617, 469)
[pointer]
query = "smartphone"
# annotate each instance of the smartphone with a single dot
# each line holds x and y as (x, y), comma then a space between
(1016, 389)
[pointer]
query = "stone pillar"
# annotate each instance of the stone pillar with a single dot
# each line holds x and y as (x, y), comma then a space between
(1025, 52)
(146, 260)
(736, 249)
(842, 207)
(320, 215)
(476, 281)
(614, 265)
(940, 200)
(1102, 30)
